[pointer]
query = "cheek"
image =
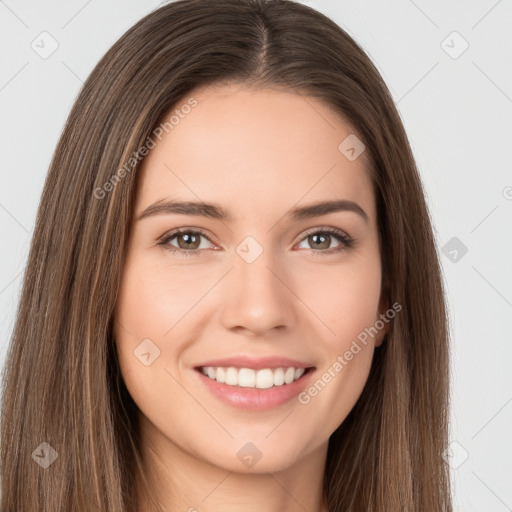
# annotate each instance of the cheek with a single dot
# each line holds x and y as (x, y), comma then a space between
(154, 297)
(345, 301)
(147, 309)
(155, 304)
(348, 308)
(142, 318)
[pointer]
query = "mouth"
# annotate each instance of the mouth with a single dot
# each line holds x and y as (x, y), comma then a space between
(254, 385)
(264, 378)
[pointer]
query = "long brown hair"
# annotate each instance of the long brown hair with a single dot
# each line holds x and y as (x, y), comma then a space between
(62, 383)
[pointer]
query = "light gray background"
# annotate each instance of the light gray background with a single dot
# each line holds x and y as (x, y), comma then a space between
(457, 112)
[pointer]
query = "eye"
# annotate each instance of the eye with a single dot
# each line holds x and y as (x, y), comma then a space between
(189, 241)
(322, 238)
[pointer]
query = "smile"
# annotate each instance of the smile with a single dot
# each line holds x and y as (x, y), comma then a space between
(264, 378)
(254, 389)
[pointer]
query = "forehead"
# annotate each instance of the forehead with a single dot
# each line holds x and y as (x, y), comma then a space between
(257, 151)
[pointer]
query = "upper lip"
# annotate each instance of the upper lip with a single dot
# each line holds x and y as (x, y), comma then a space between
(256, 363)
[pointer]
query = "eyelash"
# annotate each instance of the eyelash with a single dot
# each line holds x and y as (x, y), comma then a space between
(346, 240)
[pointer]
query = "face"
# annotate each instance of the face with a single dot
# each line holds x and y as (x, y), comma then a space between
(244, 338)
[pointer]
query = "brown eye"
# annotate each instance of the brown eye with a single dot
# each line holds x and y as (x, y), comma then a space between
(320, 240)
(188, 242)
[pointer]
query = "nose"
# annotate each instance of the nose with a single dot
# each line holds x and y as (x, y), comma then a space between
(259, 296)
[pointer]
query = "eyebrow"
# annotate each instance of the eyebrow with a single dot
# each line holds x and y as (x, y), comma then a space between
(215, 211)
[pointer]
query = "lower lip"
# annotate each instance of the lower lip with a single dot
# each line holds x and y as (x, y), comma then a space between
(254, 399)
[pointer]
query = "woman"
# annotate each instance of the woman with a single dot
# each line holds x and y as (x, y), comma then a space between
(298, 359)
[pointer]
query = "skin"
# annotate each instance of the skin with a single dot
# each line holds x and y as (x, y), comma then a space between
(257, 153)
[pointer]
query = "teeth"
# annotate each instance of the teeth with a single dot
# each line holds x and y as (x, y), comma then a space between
(220, 375)
(299, 372)
(279, 377)
(246, 378)
(264, 379)
(231, 376)
(289, 375)
(249, 378)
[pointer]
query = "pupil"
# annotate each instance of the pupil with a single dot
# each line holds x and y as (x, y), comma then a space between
(319, 238)
(188, 239)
